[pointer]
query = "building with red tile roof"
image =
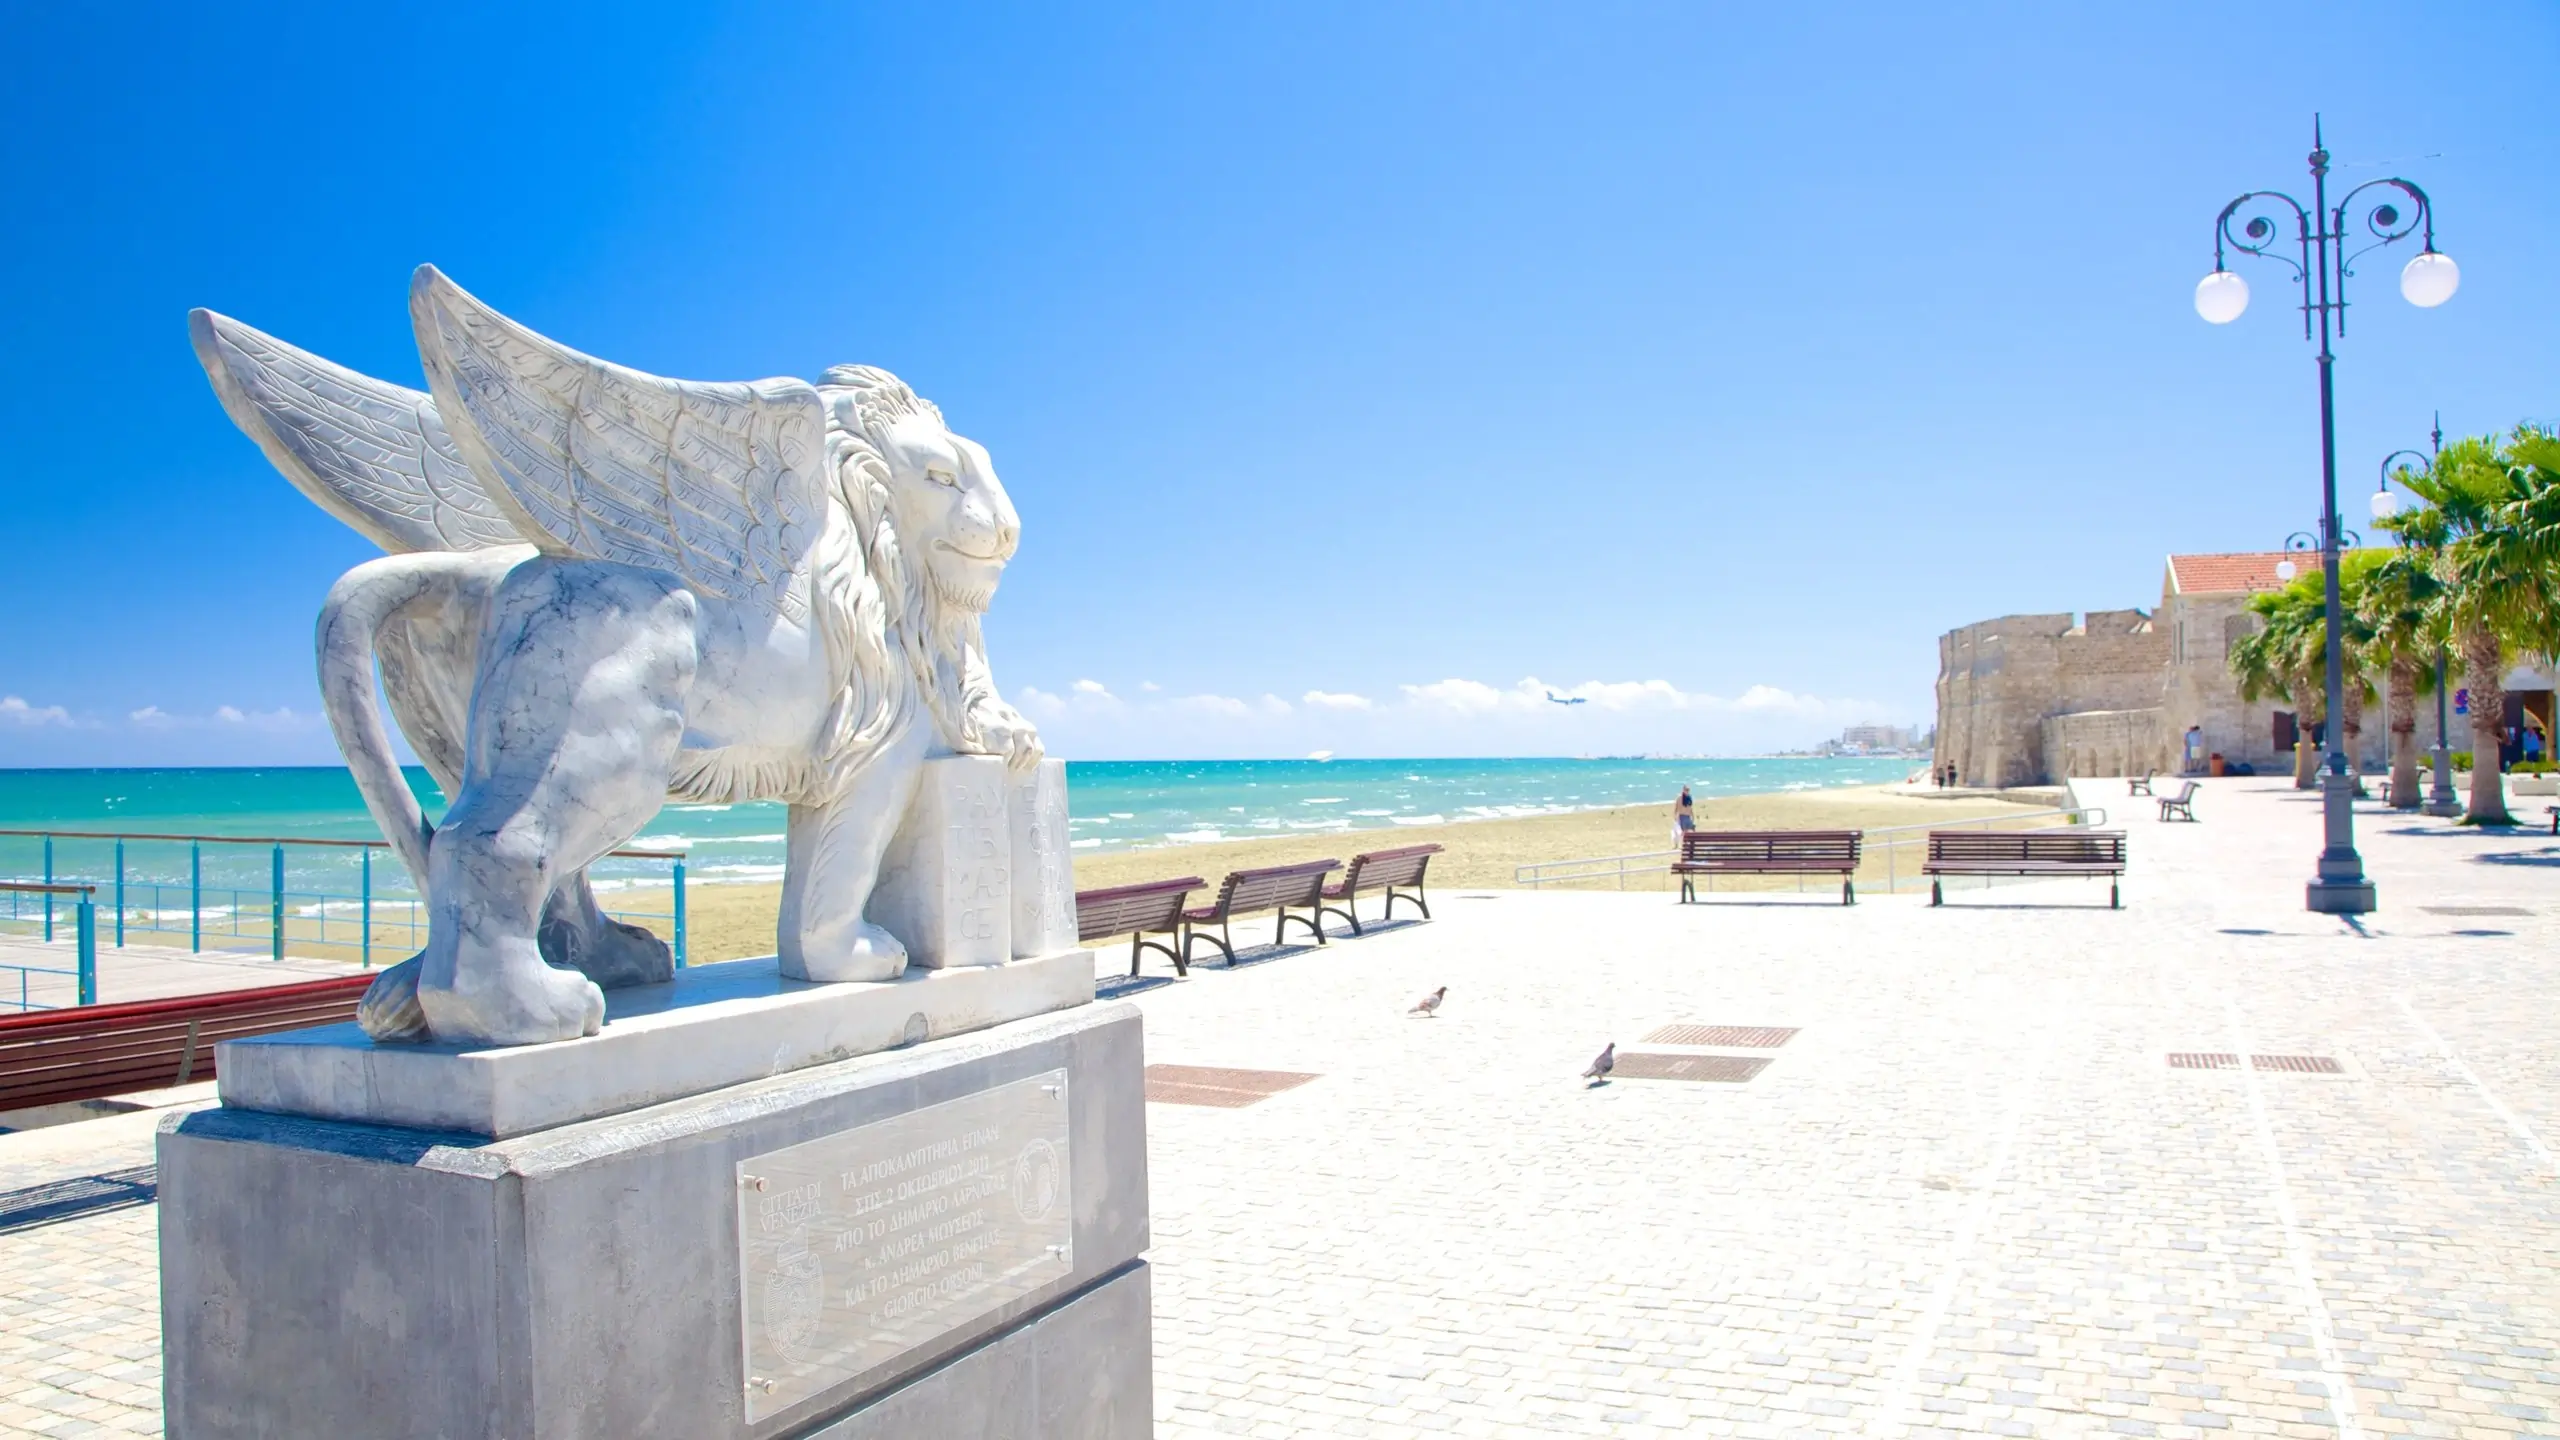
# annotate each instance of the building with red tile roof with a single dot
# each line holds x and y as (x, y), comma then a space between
(2029, 699)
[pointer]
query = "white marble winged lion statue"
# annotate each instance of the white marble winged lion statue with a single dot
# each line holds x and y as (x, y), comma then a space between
(605, 590)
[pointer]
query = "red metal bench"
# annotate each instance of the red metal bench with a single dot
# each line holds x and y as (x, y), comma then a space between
(1152, 907)
(1769, 852)
(90, 1052)
(2028, 853)
(1273, 887)
(1392, 871)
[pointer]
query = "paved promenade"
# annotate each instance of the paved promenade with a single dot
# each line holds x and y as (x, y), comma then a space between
(45, 974)
(1971, 1195)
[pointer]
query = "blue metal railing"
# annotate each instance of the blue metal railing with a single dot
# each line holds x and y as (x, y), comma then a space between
(328, 903)
(84, 920)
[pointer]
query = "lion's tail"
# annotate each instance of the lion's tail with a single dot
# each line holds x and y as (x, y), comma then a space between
(350, 619)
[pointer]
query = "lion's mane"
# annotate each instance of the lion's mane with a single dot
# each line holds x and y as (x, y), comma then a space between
(897, 650)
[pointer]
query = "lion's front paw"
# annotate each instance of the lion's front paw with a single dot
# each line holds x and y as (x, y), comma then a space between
(1013, 737)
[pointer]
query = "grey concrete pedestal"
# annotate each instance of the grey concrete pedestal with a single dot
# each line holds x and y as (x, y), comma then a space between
(328, 1278)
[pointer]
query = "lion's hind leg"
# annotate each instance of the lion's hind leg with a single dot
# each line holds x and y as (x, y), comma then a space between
(389, 1010)
(578, 934)
(575, 721)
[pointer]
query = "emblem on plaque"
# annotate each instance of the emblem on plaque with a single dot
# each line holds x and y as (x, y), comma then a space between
(796, 1291)
(792, 1299)
(1035, 1180)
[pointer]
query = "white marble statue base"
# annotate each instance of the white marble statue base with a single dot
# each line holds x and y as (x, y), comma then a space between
(712, 1026)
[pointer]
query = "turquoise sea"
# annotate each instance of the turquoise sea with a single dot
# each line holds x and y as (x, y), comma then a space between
(1114, 805)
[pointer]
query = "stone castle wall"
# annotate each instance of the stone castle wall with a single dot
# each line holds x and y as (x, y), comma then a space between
(2030, 699)
(1999, 680)
(2108, 742)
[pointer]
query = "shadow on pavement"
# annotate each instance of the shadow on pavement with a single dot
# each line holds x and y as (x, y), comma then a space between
(60, 1200)
(2547, 857)
(1121, 987)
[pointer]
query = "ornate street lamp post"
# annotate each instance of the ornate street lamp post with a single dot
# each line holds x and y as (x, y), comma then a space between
(2440, 797)
(2310, 540)
(2339, 885)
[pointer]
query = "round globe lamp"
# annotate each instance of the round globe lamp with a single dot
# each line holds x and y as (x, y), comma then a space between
(2428, 280)
(2222, 295)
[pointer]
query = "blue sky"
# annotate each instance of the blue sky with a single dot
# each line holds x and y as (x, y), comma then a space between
(1352, 366)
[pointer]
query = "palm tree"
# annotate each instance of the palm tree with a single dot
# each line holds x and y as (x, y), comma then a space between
(2283, 659)
(2395, 591)
(2484, 523)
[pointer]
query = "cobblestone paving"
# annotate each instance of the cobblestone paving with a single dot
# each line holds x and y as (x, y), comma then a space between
(1970, 1197)
(79, 1298)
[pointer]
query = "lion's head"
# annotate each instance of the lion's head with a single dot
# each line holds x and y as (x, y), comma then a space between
(940, 489)
(901, 598)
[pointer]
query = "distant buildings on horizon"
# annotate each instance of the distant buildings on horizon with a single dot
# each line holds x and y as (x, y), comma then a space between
(1874, 740)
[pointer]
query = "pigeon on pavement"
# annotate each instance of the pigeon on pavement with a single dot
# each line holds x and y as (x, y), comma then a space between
(1598, 1074)
(1429, 1005)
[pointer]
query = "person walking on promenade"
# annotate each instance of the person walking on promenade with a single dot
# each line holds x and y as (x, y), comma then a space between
(1684, 817)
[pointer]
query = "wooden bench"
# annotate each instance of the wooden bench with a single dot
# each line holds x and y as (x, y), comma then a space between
(1244, 892)
(2027, 853)
(1769, 852)
(89, 1052)
(1152, 907)
(1392, 871)
(2141, 786)
(2181, 805)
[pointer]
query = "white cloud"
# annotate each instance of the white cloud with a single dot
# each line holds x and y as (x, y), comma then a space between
(1474, 697)
(1091, 687)
(1770, 697)
(1452, 716)
(1335, 700)
(16, 711)
(279, 721)
(1467, 697)
(1149, 686)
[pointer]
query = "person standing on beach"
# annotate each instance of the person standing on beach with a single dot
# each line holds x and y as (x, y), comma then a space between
(1684, 816)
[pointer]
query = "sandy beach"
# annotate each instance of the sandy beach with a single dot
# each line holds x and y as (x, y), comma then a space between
(724, 922)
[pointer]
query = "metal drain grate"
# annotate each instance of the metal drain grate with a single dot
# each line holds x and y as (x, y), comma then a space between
(1224, 1089)
(2475, 910)
(2225, 1060)
(1740, 1037)
(2298, 1064)
(1733, 1069)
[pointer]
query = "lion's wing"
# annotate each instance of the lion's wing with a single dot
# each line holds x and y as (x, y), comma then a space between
(722, 484)
(371, 453)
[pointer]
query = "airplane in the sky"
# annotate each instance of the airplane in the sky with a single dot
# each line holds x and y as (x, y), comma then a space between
(1555, 699)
